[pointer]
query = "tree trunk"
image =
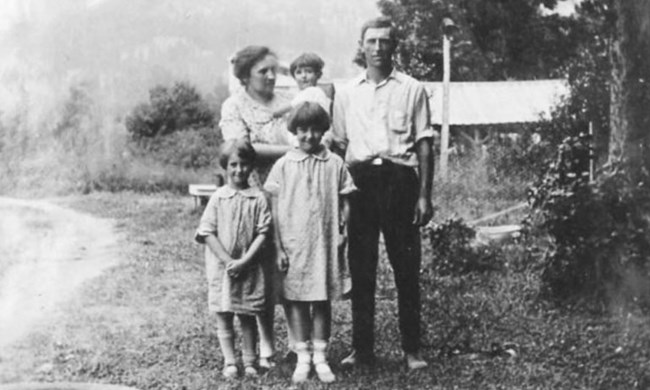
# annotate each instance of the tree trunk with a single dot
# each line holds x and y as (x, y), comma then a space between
(630, 88)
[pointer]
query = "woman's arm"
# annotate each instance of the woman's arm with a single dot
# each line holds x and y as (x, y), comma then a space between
(231, 124)
(270, 151)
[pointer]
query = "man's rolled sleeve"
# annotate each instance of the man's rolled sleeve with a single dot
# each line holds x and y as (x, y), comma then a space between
(339, 135)
(422, 115)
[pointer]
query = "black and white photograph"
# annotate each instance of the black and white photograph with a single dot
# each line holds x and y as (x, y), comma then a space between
(311, 194)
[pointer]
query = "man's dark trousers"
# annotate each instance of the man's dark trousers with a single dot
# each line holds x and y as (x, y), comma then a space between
(385, 202)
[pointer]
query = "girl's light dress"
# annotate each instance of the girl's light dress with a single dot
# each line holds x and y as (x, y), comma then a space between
(308, 187)
(236, 217)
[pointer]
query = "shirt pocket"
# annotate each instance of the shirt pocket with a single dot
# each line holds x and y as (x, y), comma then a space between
(398, 121)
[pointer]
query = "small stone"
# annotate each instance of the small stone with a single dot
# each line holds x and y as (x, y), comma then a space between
(511, 352)
(45, 368)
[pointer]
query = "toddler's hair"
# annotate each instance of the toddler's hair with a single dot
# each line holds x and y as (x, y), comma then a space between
(311, 60)
(241, 148)
(308, 114)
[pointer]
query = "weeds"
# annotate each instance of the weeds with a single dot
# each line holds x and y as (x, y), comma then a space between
(144, 323)
(599, 231)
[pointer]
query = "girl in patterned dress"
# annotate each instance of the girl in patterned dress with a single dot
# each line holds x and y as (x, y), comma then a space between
(248, 115)
(234, 227)
(309, 187)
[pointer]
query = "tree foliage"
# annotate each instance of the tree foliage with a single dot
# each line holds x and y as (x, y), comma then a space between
(496, 40)
(178, 108)
(599, 229)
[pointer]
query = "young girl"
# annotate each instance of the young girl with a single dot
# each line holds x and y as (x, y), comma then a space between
(310, 208)
(307, 69)
(234, 226)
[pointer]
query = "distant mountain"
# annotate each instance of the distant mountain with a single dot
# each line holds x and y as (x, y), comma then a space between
(123, 47)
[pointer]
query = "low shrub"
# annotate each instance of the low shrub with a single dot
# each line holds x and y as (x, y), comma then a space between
(169, 109)
(454, 250)
(600, 232)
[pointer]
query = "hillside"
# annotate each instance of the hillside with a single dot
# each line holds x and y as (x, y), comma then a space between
(120, 48)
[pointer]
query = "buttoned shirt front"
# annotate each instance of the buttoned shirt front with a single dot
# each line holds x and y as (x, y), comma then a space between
(382, 120)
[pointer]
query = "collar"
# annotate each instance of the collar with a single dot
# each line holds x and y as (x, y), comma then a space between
(394, 75)
(296, 154)
(227, 191)
(248, 100)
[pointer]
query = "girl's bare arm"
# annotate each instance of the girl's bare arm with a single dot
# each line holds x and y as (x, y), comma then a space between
(218, 249)
(253, 249)
(345, 210)
(279, 113)
(237, 266)
(283, 260)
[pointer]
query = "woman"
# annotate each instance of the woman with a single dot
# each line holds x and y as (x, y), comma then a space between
(248, 114)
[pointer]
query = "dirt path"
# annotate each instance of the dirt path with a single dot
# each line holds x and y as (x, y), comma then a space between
(46, 253)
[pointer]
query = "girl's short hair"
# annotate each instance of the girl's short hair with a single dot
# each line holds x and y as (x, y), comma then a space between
(311, 60)
(308, 114)
(246, 58)
(239, 147)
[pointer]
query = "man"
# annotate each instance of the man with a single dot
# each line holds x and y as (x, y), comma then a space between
(382, 122)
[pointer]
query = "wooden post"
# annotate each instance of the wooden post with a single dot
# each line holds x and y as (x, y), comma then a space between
(591, 151)
(444, 136)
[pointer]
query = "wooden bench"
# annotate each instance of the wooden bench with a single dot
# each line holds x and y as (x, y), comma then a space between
(201, 193)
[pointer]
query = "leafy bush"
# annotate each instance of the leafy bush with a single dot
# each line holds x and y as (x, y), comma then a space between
(191, 149)
(600, 232)
(453, 252)
(169, 110)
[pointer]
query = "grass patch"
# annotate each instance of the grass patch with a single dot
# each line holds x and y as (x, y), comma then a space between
(145, 324)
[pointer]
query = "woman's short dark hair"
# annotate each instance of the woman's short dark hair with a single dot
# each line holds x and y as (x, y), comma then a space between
(308, 114)
(246, 58)
(239, 147)
(311, 60)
